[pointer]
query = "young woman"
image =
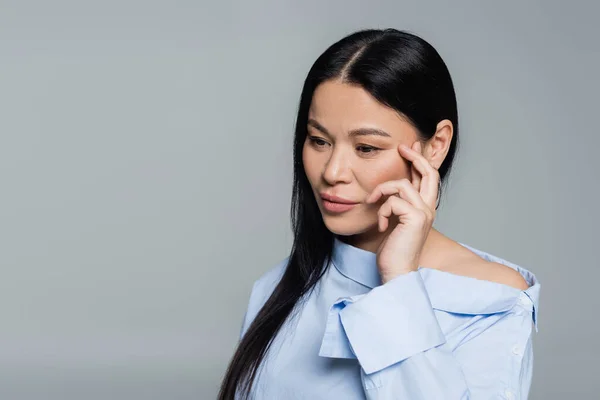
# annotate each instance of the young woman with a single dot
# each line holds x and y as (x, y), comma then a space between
(373, 302)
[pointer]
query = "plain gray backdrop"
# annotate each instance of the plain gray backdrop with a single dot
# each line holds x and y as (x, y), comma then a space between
(146, 169)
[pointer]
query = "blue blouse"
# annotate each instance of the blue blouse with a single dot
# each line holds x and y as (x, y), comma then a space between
(427, 334)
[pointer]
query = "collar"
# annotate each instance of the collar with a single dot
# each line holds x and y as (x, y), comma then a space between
(447, 292)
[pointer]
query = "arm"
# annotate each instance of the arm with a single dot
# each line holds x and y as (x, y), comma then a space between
(395, 335)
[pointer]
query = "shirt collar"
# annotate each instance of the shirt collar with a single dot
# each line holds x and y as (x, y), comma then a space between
(356, 264)
(447, 291)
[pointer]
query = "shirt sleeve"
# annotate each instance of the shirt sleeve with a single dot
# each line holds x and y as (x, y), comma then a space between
(394, 333)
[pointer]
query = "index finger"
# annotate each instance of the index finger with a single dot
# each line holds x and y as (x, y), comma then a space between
(430, 176)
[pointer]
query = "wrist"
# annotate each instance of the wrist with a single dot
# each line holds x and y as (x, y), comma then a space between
(386, 277)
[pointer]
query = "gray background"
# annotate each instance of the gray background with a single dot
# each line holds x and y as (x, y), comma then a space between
(145, 164)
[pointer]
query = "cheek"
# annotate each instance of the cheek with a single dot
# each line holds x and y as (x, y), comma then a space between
(388, 169)
(310, 164)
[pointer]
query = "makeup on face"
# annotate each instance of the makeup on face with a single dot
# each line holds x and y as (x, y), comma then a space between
(336, 204)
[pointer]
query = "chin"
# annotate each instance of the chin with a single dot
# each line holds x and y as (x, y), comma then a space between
(347, 226)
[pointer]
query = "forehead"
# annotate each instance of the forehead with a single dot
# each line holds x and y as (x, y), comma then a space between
(341, 107)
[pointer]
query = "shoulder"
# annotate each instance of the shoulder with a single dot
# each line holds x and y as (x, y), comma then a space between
(269, 279)
(494, 272)
(265, 284)
(474, 281)
(471, 262)
(261, 291)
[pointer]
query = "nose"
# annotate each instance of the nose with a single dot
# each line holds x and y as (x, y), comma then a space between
(337, 169)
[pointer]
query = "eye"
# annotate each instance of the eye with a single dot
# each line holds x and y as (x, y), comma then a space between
(367, 149)
(317, 141)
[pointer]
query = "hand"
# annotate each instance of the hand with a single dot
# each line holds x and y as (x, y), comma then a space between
(413, 202)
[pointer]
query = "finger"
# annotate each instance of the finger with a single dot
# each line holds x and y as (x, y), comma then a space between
(402, 187)
(405, 190)
(429, 176)
(415, 176)
(392, 206)
(383, 189)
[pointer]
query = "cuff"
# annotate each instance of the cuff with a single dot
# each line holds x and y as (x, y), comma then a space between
(385, 326)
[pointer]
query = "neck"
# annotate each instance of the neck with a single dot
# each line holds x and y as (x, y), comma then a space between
(371, 240)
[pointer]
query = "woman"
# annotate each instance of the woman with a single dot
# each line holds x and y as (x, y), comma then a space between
(373, 302)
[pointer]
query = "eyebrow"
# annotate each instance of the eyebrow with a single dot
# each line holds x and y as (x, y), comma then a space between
(353, 132)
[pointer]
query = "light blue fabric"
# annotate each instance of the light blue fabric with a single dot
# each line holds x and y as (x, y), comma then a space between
(426, 335)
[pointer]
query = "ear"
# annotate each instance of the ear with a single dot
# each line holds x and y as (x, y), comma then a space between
(437, 147)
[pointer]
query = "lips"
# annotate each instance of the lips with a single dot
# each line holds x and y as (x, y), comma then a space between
(336, 199)
(335, 204)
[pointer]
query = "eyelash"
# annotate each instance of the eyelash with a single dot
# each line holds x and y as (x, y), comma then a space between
(318, 142)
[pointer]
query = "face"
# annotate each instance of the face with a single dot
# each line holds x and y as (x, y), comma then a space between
(351, 147)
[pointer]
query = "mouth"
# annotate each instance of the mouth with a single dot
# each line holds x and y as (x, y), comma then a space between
(335, 204)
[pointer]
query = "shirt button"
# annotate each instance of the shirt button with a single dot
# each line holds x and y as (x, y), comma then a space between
(524, 300)
(509, 395)
(516, 350)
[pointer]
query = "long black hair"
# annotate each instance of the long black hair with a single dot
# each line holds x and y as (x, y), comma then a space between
(401, 71)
